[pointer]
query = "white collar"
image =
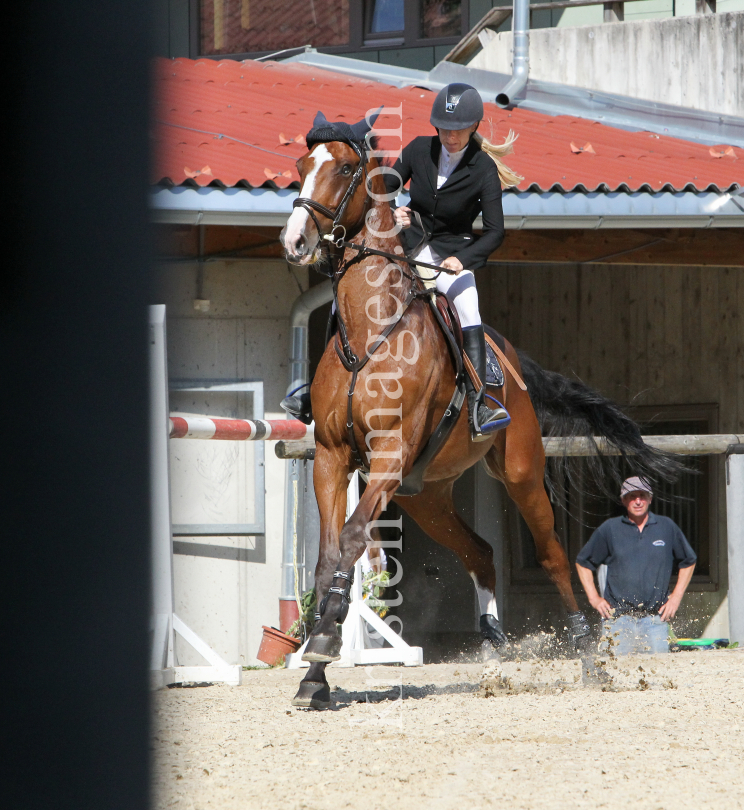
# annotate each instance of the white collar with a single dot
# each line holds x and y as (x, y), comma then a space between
(449, 157)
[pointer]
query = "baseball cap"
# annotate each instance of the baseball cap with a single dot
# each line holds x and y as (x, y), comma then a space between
(635, 484)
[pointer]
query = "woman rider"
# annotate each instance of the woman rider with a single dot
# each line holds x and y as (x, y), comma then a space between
(455, 176)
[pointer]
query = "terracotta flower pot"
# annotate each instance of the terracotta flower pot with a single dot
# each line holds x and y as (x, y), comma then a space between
(275, 645)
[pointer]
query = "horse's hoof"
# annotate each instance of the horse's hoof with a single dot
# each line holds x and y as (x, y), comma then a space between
(312, 695)
(488, 653)
(323, 649)
(491, 629)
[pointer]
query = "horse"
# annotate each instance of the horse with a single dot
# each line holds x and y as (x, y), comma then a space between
(384, 382)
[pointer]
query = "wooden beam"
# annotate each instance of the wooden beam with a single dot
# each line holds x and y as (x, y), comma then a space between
(470, 44)
(653, 246)
(660, 246)
(687, 445)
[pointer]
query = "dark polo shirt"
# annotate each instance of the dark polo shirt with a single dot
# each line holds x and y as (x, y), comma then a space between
(639, 564)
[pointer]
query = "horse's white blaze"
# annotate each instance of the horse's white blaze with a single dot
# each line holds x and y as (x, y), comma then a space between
(298, 219)
(486, 599)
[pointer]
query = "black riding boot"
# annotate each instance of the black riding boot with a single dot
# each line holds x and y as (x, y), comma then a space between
(483, 420)
(298, 405)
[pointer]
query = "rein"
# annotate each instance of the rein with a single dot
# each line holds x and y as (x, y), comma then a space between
(342, 243)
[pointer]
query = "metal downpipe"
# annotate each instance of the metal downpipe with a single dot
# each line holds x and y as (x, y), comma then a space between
(514, 90)
(297, 517)
(304, 305)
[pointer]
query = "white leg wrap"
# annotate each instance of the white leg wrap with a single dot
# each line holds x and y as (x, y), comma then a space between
(486, 599)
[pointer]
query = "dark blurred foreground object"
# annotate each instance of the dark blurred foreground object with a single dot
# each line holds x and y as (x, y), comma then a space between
(73, 321)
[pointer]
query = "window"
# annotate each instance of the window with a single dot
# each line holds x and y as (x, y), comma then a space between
(441, 18)
(254, 26)
(384, 17)
(217, 488)
(260, 27)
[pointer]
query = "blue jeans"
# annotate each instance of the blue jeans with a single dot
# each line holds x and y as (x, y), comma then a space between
(636, 634)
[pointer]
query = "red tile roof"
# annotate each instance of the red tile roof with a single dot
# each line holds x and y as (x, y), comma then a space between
(235, 123)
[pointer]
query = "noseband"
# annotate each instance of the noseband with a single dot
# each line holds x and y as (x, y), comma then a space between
(336, 216)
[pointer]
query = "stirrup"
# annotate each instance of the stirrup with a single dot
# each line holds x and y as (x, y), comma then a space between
(298, 405)
(496, 419)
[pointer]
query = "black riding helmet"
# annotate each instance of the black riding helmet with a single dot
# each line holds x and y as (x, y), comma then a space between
(457, 106)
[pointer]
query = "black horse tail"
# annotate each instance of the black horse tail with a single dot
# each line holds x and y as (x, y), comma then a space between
(566, 407)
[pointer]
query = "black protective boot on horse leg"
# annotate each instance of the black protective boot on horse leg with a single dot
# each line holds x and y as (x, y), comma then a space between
(581, 638)
(324, 646)
(579, 631)
(491, 630)
(483, 420)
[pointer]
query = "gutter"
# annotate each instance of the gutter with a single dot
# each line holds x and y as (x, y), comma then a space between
(522, 210)
(515, 89)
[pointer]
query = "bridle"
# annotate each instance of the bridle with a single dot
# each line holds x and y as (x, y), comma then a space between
(338, 231)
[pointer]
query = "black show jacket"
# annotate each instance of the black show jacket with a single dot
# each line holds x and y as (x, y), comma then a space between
(448, 213)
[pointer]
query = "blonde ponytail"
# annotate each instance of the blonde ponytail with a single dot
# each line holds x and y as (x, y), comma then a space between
(496, 153)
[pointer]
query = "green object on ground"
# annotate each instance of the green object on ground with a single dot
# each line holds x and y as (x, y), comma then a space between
(707, 643)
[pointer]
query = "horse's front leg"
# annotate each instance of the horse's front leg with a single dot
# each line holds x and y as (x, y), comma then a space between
(325, 642)
(330, 480)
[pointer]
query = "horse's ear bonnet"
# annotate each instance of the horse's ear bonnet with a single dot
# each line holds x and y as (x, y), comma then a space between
(325, 131)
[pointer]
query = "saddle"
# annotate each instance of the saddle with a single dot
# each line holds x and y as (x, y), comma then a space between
(449, 320)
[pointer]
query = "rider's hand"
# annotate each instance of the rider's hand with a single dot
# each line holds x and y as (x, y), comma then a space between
(452, 264)
(403, 216)
(602, 606)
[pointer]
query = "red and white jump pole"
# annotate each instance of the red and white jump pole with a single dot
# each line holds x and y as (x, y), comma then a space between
(236, 430)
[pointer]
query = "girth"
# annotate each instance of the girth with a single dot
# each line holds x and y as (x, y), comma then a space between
(354, 364)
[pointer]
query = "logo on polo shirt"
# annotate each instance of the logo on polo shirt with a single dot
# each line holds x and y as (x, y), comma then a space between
(659, 543)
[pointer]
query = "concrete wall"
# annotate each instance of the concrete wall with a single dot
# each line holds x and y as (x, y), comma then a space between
(226, 596)
(694, 61)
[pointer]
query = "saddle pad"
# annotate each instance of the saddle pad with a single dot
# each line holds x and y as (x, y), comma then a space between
(494, 372)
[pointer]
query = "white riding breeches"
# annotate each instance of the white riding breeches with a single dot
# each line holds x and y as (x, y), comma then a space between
(460, 288)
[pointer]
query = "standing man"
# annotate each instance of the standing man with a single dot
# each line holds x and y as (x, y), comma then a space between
(640, 551)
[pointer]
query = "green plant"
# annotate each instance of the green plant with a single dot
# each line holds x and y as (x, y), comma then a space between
(303, 626)
(373, 586)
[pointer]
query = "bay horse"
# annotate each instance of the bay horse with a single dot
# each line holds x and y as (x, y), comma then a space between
(381, 387)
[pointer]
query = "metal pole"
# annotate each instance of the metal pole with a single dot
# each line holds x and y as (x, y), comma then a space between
(296, 480)
(735, 532)
(162, 538)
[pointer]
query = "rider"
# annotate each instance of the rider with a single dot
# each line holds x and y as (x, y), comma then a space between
(454, 176)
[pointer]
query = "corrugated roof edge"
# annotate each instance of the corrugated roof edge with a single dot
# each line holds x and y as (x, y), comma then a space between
(602, 188)
(624, 112)
(639, 209)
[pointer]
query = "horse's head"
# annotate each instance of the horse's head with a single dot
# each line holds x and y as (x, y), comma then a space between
(328, 173)
(334, 188)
